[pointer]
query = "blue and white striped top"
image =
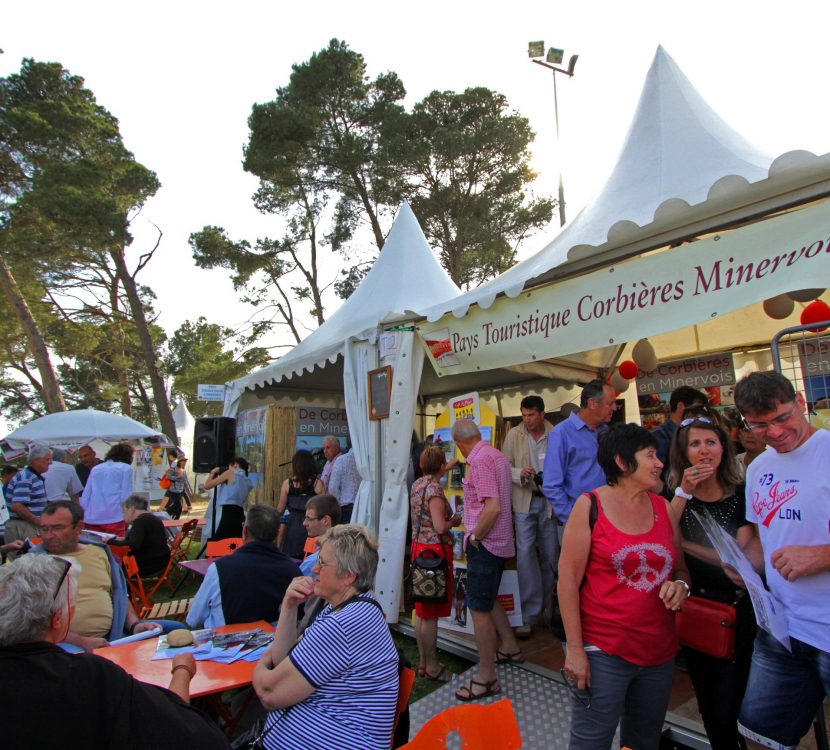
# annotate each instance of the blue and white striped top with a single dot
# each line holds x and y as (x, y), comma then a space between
(349, 657)
(28, 488)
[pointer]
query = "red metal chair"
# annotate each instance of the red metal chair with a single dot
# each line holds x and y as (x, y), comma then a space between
(222, 547)
(142, 602)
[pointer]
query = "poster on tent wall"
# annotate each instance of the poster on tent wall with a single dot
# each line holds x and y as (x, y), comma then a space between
(149, 465)
(461, 620)
(314, 424)
(250, 440)
(712, 374)
(640, 297)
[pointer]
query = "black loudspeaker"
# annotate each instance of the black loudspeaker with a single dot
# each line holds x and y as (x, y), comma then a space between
(213, 443)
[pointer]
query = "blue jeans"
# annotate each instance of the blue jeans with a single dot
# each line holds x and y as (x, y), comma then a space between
(784, 692)
(635, 696)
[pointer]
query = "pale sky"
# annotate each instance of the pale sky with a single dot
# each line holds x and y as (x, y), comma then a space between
(181, 77)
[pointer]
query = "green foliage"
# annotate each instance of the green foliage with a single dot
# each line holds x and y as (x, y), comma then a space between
(466, 159)
(197, 353)
(68, 188)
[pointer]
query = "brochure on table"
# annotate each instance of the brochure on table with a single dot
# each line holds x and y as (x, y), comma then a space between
(508, 595)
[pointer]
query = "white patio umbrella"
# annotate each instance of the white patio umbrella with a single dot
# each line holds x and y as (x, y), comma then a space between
(72, 429)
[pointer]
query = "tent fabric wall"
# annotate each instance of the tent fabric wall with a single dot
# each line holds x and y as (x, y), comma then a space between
(359, 358)
(394, 506)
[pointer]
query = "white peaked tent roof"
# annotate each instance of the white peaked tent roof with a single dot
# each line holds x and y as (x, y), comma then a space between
(680, 165)
(183, 419)
(405, 277)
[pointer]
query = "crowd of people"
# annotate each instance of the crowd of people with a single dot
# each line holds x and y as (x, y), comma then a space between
(602, 519)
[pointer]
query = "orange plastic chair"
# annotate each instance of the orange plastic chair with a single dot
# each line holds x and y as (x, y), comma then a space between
(407, 681)
(120, 551)
(143, 604)
(223, 547)
(178, 552)
(310, 546)
(480, 728)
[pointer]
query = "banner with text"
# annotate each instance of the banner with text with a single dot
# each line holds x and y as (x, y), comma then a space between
(639, 297)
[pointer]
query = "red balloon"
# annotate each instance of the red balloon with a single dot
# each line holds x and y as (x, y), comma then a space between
(816, 312)
(629, 369)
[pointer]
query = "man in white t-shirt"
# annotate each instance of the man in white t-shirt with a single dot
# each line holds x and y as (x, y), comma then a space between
(61, 480)
(788, 498)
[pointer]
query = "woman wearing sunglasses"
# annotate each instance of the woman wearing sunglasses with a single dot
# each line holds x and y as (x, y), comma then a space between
(707, 479)
(621, 580)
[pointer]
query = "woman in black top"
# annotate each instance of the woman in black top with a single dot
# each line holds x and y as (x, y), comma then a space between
(294, 494)
(147, 537)
(706, 477)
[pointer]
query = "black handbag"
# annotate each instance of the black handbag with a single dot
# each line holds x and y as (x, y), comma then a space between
(428, 571)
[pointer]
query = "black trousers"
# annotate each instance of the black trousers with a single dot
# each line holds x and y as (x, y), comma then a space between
(720, 684)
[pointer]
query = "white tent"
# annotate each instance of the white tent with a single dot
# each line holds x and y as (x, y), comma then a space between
(692, 225)
(72, 429)
(682, 172)
(336, 358)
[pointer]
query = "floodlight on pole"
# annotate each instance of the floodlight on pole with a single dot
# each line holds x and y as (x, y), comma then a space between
(552, 61)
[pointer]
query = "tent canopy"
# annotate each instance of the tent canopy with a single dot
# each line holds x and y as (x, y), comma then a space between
(72, 429)
(405, 277)
(682, 171)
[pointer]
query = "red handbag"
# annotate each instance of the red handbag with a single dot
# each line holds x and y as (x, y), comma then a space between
(707, 626)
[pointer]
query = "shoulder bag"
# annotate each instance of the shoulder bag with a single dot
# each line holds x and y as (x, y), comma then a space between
(707, 626)
(428, 571)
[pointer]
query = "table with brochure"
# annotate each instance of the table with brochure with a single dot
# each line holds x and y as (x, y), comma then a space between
(223, 662)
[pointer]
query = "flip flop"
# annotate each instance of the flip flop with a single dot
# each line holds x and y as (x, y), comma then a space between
(465, 692)
(504, 658)
(443, 674)
(421, 670)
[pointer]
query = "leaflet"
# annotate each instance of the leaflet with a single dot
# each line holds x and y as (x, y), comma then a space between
(770, 613)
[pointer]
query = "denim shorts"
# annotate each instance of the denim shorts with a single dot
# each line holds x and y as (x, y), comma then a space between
(484, 571)
(784, 691)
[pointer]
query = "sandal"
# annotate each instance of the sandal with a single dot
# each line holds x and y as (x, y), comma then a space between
(442, 675)
(465, 692)
(421, 669)
(515, 658)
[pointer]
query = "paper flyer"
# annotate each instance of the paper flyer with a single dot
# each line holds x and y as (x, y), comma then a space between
(770, 614)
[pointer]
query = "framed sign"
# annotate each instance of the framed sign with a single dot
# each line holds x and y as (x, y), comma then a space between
(380, 392)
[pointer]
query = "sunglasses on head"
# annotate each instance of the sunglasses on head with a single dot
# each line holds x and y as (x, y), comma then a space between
(692, 420)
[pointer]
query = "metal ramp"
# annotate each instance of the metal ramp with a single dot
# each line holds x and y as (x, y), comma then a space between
(540, 701)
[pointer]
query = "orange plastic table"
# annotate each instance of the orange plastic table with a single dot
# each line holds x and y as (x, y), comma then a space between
(211, 676)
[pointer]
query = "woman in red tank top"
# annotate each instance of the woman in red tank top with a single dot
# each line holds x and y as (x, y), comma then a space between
(621, 579)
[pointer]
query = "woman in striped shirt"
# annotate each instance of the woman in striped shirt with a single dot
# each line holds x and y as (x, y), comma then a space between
(336, 686)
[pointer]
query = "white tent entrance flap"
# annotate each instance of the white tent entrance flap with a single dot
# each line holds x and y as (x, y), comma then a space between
(642, 297)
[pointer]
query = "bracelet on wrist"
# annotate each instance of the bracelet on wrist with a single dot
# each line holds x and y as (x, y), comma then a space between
(680, 492)
(685, 585)
(132, 627)
(191, 672)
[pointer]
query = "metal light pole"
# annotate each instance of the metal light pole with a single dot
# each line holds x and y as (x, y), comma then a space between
(554, 57)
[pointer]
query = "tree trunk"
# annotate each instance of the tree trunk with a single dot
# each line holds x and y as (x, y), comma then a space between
(52, 396)
(165, 413)
(120, 370)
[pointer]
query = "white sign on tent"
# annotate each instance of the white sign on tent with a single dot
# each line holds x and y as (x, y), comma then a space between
(206, 392)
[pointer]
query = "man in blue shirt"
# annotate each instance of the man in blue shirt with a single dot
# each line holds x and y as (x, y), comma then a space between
(571, 466)
(249, 584)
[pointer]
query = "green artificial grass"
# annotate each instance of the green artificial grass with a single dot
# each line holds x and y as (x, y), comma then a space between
(423, 686)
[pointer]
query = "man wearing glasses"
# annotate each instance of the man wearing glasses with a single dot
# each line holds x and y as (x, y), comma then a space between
(321, 513)
(102, 612)
(788, 498)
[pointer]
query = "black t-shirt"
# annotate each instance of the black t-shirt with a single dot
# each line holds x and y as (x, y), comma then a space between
(730, 515)
(52, 699)
(147, 539)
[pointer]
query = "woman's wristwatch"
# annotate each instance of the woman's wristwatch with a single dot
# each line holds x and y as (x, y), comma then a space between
(680, 492)
(685, 585)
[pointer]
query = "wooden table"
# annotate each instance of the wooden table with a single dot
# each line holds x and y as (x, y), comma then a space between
(211, 676)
